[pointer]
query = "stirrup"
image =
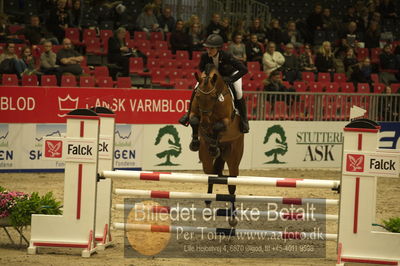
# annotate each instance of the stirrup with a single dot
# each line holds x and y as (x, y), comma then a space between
(244, 127)
(184, 120)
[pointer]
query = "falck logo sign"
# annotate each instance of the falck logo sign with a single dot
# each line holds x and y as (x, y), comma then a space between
(67, 104)
(53, 149)
(355, 163)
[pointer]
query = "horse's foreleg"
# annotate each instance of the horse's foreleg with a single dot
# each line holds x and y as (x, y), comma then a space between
(194, 123)
(214, 150)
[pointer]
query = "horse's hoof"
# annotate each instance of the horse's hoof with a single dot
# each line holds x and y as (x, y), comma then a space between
(233, 221)
(214, 152)
(194, 145)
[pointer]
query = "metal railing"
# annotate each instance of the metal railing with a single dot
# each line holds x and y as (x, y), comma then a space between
(232, 9)
(320, 106)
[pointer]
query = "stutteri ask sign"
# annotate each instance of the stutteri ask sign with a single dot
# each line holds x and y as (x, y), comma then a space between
(371, 163)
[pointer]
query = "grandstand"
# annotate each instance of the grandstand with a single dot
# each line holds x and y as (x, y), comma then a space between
(318, 95)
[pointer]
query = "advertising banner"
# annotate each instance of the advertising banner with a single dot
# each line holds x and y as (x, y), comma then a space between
(281, 144)
(51, 104)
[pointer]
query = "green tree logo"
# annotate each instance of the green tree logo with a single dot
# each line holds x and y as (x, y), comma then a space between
(275, 140)
(168, 136)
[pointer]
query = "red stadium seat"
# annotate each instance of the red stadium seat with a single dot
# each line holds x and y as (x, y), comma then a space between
(259, 76)
(105, 82)
(196, 55)
(308, 76)
(182, 84)
(161, 45)
(101, 71)
(363, 88)
(182, 55)
(324, 77)
(379, 88)
(86, 81)
(158, 75)
(48, 80)
(300, 86)
(317, 86)
(347, 87)
(74, 34)
(375, 78)
(332, 87)
(136, 66)
(68, 81)
(253, 66)
(89, 34)
(9, 80)
(140, 35)
(395, 87)
(156, 36)
(250, 85)
(362, 53)
(105, 35)
(339, 77)
(375, 52)
(30, 80)
(124, 82)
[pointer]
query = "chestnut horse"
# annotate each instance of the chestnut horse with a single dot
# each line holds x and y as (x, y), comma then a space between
(215, 126)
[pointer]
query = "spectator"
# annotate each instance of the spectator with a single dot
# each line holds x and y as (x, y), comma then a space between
(35, 33)
(48, 59)
(240, 28)
(314, 20)
(68, 59)
(5, 35)
(362, 72)
(307, 60)
(118, 52)
(29, 60)
(387, 9)
(274, 84)
(9, 61)
(272, 59)
(196, 37)
(259, 30)
(375, 17)
(215, 27)
(157, 7)
(350, 15)
(388, 106)
(292, 35)
(254, 49)
(179, 40)
(237, 48)
(147, 21)
(291, 66)
(225, 23)
(328, 22)
(75, 14)
(166, 20)
(275, 33)
(58, 20)
(389, 65)
(194, 19)
(349, 61)
(350, 38)
(325, 60)
(372, 35)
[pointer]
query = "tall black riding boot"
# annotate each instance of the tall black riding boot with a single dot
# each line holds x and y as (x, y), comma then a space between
(244, 123)
(184, 120)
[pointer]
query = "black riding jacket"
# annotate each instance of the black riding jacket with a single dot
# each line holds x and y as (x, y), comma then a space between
(226, 67)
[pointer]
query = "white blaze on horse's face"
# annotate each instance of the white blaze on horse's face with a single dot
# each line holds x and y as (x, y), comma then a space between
(206, 96)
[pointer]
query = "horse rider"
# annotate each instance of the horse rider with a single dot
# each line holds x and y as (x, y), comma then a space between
(232, 71)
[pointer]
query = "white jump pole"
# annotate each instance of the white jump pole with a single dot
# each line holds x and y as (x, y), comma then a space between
(226, 212)
(104, 186)
(363, 162)
(207, 179)
(76, 226)
(149, 194)
(228, 232)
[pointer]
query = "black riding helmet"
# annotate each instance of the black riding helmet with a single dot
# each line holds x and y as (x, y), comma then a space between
(214, 41)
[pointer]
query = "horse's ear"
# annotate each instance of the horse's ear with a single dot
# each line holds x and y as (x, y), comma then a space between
(214, 78)
(196, 75)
